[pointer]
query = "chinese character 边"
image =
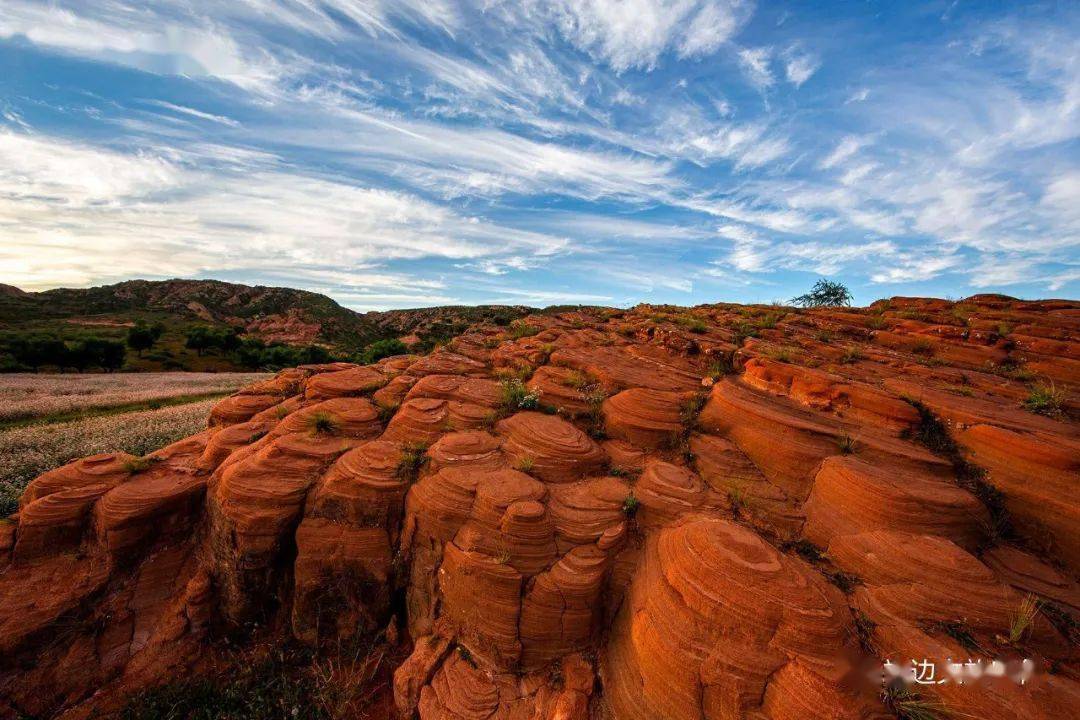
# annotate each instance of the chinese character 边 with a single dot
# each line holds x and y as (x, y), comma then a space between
(924, 672)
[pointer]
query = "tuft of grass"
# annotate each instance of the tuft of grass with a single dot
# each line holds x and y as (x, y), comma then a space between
(922, 346)
(321, 422)
(690, 409)
(846, 443)
(595, 397)
(576, 379)
(386, 412)
(851, 355)
(413, 458)
(1020, 622)
(693, 324)
(723, 364)
(515, 396)
(781, 354)
(526, 464)
(958, 631)
(742, 330)
(769, 320)
(1010, 368)
(805, 549)
(864, 631)
(521, 329)
(281, 412)
(1044, 399)
(845, 581)
(906, 704)
(737, 498)
(876, 322)
(466, 655)
(630, 506)
(823, 336)
(139, 464)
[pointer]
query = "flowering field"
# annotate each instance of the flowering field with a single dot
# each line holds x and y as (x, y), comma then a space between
(25, 396)
(49, 420)
(26, 452)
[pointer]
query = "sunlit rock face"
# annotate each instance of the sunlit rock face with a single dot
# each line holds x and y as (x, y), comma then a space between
(617, 514)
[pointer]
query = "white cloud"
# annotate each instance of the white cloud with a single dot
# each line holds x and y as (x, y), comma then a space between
(858, 96)
(799, 66)
(634, 33)
(848, 146)
(755, 64)
(139, 39)
(192, 112)
(749, 146)
(77, 214)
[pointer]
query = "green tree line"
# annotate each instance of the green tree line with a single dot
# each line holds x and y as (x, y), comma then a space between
(33, 351)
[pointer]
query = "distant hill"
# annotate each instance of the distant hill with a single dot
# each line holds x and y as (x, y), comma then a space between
(272, 314)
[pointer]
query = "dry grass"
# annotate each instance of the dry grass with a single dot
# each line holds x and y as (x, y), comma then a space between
(26, 396)
(27, 452)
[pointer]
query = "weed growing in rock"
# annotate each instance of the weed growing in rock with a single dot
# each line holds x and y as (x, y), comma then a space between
(515, 396)
(1021, 620)
(413, 458)
(922, 347)
(1044, 399)
(958, 631)
(909, 705)
(851, 355)
(323, 423)
(630, 506)
(864, 631)
(521, 329)
(693, 324)
(139, 464)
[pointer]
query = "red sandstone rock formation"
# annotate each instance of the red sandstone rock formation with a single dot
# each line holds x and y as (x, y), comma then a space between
(682, 525)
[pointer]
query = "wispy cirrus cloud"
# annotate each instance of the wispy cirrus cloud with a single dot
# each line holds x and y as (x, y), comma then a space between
(577, 148)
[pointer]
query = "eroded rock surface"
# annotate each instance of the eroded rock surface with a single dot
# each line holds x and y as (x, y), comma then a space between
(697, 514)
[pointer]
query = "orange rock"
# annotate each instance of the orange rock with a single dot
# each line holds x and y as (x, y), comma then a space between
(561, 389)
(344, 383)
(444, 362)
(646, 418)
(240, 408)
(341, 575)
(710, 618)
(474, 448)
(513, 547)
(851, 496)
(107, 469)
(365, 487)
(553, 449)
(230, 438)
(1045, 511)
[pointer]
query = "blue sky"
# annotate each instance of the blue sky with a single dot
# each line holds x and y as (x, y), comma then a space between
(424, 152)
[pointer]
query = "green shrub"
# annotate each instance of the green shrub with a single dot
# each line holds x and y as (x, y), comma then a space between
(515, 396)
(825, 293)
(321, 422)
(521, 329)
(1044, 399)
(382, 349)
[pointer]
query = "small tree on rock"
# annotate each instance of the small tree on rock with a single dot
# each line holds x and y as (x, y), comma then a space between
(825, 293)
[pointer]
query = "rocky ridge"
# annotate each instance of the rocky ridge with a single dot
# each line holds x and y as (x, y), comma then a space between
(706, 513)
